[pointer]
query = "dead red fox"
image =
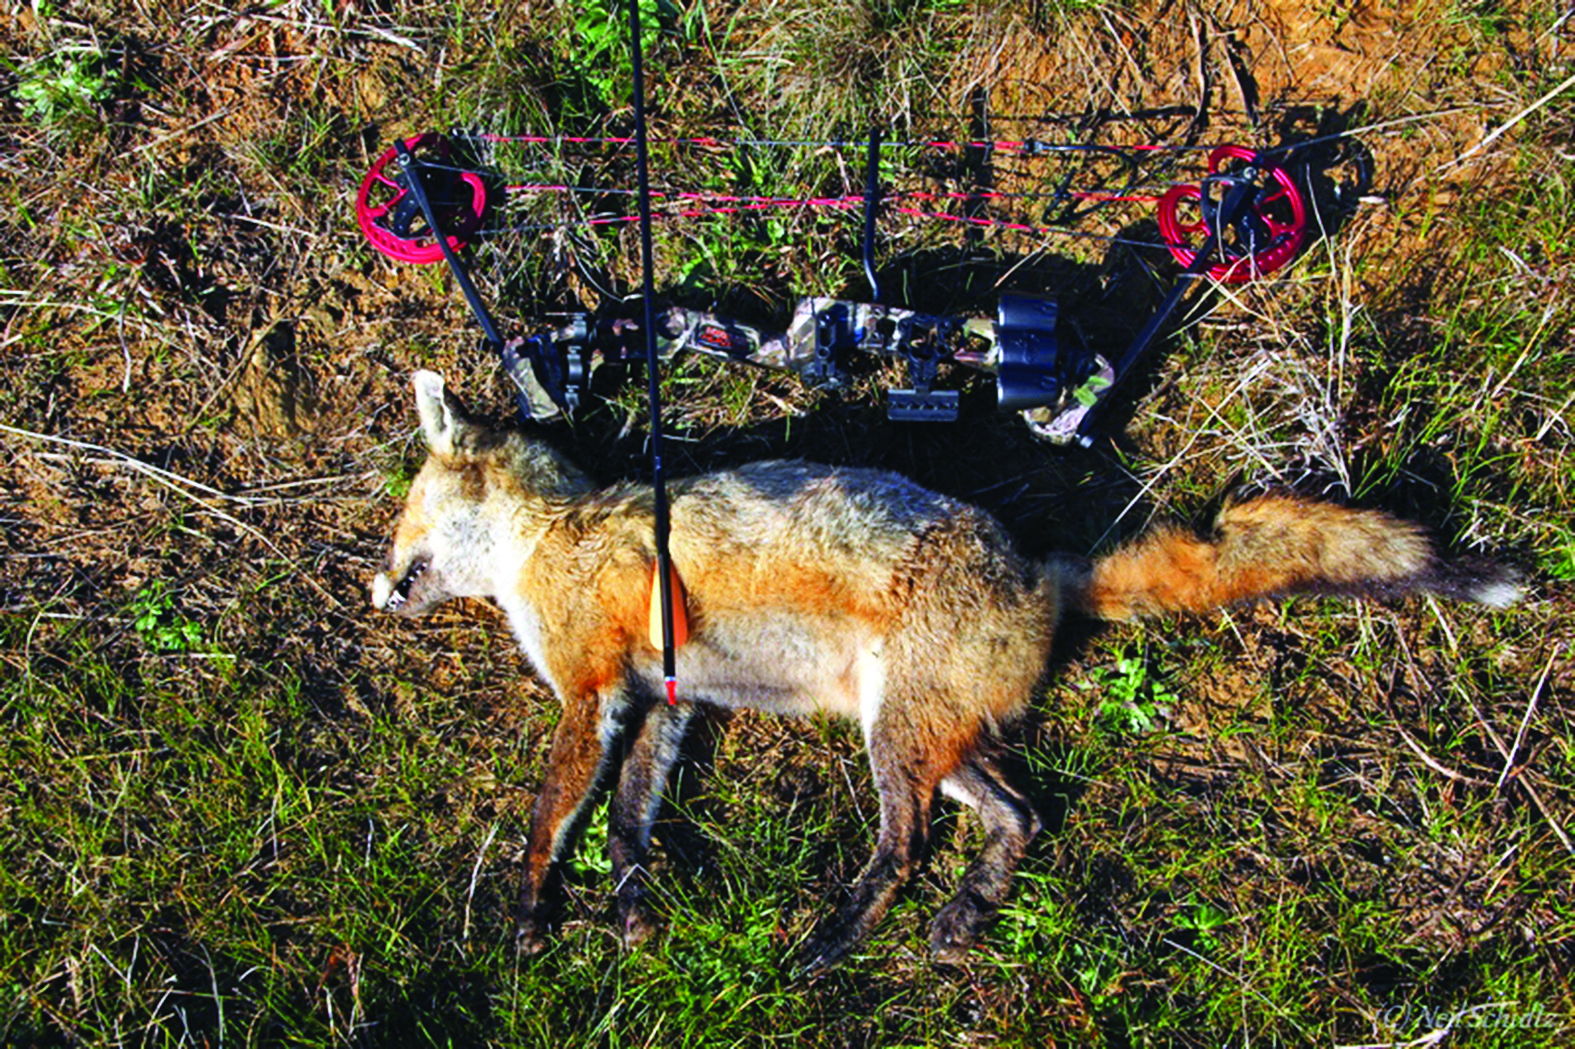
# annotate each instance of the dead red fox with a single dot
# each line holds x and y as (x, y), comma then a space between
(813, 588)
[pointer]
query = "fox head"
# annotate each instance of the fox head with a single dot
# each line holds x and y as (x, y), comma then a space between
(469, 495)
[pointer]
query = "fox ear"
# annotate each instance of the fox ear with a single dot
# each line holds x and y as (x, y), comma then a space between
(440, 411)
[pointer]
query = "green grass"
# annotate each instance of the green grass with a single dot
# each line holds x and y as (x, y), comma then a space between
(845, 65)
(239, 808)
(203, 850)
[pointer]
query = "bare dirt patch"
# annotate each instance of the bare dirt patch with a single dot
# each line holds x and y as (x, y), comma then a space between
(204, 388)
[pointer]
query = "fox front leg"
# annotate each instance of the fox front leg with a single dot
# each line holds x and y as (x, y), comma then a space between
(647, 767)
(580, 750)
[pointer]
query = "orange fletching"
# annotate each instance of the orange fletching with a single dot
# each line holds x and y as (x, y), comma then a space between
(680, 614)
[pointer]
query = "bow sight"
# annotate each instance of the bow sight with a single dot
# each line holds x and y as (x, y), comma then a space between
(1244, 218)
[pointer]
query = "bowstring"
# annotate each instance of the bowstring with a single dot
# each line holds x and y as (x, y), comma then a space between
(1132, 191)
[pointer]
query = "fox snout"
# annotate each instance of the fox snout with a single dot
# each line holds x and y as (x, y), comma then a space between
(391, 595)
(382, 590)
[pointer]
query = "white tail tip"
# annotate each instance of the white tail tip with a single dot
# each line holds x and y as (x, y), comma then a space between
(1500, 593)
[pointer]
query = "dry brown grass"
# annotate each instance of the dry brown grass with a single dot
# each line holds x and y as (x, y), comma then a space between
(238, 807)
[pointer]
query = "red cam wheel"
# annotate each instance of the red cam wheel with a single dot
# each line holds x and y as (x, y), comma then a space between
(1262, 240)
(392, 221)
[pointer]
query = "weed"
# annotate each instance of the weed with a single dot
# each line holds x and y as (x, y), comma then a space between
(61, 92)
(1134, 698)
(1559, 560)
(160, 625)
(599, 56)
(397, 479)
(1203, 920)
(591, 861)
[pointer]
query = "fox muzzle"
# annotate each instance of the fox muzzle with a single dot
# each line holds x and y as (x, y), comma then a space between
(395, 597)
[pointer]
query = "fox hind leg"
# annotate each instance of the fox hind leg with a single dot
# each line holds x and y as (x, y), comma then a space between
(905, 817)
(906, 776)
(653, 751)
(1010, 823)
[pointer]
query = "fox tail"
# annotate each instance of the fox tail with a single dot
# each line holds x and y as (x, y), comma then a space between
(1273, 546)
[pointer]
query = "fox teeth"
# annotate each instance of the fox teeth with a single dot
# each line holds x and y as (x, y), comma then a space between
(402, 590)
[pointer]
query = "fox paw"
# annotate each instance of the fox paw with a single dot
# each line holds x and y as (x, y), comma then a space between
(639, 924)
(825, 949)
(957, 928)
(530, 937)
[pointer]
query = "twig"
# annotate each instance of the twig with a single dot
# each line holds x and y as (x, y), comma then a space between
(188, 129)
(391, 37)
(173, 480)
(1501, 129)
(475, 872)
(1520, 734)
(292, 230)
(1434, 764)
(1414, 118)
(1201, 41)
(1524, 781)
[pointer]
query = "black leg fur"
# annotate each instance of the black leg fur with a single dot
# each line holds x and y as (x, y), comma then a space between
(1010, 823)
(654, 748)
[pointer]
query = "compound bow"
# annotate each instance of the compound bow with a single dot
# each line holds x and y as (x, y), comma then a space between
(427, 199)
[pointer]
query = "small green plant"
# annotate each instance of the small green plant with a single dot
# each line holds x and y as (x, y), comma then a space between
(1202, 920)
(592, 860)
(61, 92)
(1135, 699)
(1560, 557)
(600, 57)
(398, 478)
(156, 621)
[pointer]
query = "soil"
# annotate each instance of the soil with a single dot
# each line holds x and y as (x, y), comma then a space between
(196, 307)
(204, 372)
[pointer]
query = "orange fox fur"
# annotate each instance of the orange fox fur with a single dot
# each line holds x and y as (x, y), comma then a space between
(814, 588)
